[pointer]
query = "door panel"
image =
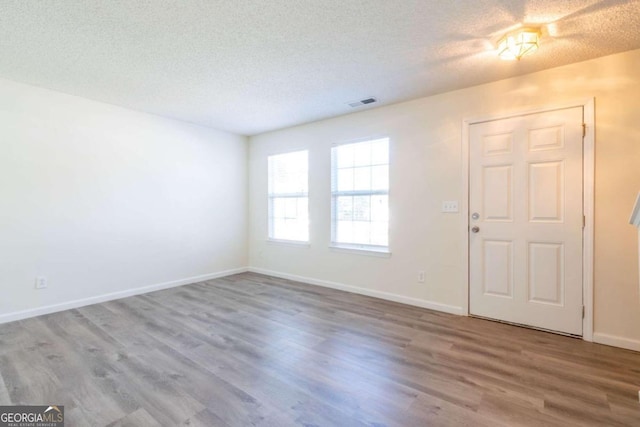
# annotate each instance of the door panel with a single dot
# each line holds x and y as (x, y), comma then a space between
(525, 184)
(498, 268)
(498, 193)
(548, 138)
(546, 191)
(497, 144)
(546, 273)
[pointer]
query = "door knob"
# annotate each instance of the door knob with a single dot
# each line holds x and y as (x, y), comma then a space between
(475, 229)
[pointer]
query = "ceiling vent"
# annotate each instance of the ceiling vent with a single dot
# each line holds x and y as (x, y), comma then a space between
(362, 102)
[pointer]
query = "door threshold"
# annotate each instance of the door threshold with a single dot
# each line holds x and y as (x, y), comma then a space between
(520, 325)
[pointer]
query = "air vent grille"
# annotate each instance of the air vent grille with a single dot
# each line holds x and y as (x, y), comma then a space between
(365, 101)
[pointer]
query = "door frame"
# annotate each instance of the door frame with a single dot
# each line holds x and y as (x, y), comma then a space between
(588, 182)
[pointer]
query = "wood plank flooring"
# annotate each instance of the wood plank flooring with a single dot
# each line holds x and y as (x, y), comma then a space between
(254, 350)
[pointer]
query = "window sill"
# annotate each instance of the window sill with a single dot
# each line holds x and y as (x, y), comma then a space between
(293, 243)
(380, 253)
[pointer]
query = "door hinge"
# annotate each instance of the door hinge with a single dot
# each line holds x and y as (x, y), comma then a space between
(583, 311)
(584, 130)
(584, 221)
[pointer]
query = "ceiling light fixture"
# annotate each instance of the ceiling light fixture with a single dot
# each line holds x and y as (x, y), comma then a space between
(518, 44)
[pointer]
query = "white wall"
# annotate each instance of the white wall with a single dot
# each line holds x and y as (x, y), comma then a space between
(426, 141)
(102, 200)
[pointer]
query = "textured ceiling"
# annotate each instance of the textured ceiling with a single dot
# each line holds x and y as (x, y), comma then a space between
(253, 66)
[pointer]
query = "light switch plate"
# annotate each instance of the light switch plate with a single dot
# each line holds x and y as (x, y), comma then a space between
(450, 206)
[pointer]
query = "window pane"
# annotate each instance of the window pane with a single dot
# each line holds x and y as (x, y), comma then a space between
(345, 208)
(295, 229)
(288, 184)
(362, 154)
(303, 208)
(290, 229)
(288, 173)
(291, 211)
(380, 208)
(278, 208)
(380, 177)
(380, 152)
(360, 193)
(380, 233)
(362, 178)
(361, 232)
(361, 209)
(344, 231)
(279, 227)
(345, 158)
(345, 179)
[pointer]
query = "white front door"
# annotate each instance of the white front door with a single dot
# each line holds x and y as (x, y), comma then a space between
(526, 220)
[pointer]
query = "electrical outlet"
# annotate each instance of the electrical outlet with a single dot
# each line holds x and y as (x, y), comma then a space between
(420, 276)
(41, 282)
(450, 206)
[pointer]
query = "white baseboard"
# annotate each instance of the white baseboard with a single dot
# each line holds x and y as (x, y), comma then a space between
(598, 337)
(363, 291)
(616, 341)
(25, 314)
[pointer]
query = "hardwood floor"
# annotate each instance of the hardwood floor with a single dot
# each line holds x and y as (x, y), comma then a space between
(255, 350)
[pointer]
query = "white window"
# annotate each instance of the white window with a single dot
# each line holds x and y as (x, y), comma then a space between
(289, 196)
(360, 195)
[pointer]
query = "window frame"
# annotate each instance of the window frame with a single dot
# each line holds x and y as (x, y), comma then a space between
(359, 248)
(271, 196)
